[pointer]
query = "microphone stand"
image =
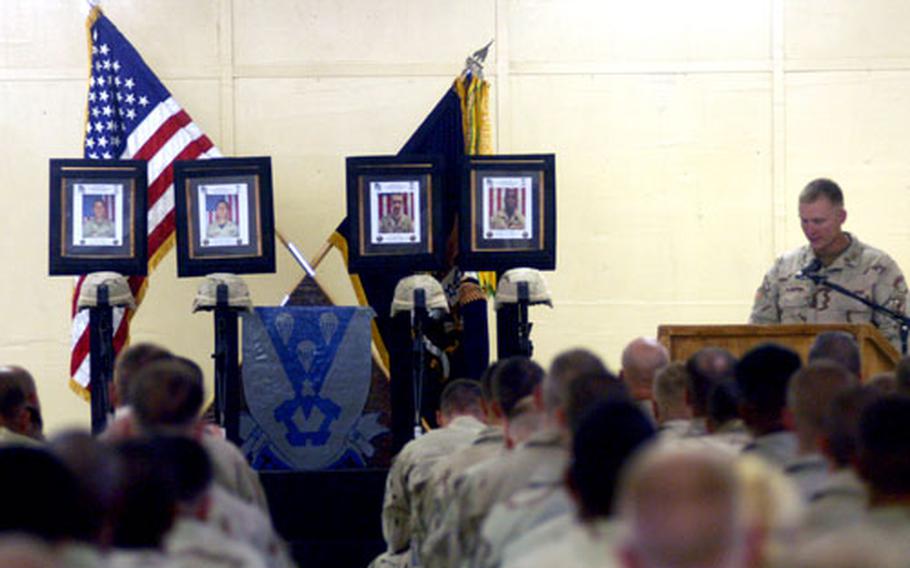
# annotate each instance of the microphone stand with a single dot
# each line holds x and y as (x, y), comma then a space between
(902, 320)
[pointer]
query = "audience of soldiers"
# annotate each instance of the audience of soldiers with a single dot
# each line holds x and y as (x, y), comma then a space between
(159, 488)
(714, 461)
(709, 462)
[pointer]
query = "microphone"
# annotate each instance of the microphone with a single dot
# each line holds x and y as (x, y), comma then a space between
(810, 269)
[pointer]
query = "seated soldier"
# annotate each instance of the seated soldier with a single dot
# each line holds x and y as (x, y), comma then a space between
(841, 499)
(641, 359)
(166, 397)
(609, 433)
(35, 429)
(669, 403)
(545, 497)
(726, 430)
(513, 383)
(193, 541)
(40, 497)
(129, 362)
(16, 422)
(97, 471)
(682, 509)
(838, 347)
(762, 376)
(460, 417)
(883, 462)
(809, 397)
(489, 442)
(707, 368)
(145, 508)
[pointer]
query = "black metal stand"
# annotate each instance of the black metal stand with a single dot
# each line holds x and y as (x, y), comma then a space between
(513, 328)
(101, 353)
(525, 346)
(418, 355)
(902, 320)
(227, 367)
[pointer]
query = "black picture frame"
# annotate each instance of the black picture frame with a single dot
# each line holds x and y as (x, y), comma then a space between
(492, 238)
(97, 217)
(394, 208)
(225, 219)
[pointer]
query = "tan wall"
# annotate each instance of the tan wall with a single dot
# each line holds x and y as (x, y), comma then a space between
(683, 132)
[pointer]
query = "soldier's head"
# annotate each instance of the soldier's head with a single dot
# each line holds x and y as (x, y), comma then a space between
(514, 383)
(723, 404)
(461, 397)
(99, 209)
(809, 397)
(884, 448)
(167, 395)
(564, 370)
(130, 361)
(683, 508)
(96, 468)
(821, 214)
(147, 495)
(670, 393)
(841, 424)
(40, 496)
(16, 375)
(704, 370)
(222, 212)
(641, 359)
(606, 437)
(762, 376)
(837, 346)
(396, 205)
(510, 202)
(14, 414)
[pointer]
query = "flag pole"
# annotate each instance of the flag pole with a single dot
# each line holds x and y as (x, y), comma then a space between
(310, 269)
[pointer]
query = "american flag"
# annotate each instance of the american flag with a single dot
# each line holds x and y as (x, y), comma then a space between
(131, 115)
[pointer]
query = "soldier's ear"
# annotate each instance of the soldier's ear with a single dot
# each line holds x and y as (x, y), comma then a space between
(841, 215)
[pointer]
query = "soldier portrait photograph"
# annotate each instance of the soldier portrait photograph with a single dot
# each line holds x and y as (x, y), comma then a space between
(395, 212)
(95, 218)
(222, 214)
(507, 208)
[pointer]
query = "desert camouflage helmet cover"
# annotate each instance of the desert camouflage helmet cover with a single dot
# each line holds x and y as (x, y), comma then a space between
(207, 295)
(507, 289)
(404, 294)
(118, 290)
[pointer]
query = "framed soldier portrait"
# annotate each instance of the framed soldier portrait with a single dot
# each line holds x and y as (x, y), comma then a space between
(394, 212)
(225, 220)
(97, 216)
(508, 212)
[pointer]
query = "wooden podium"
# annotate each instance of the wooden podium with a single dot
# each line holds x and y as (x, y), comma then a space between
(878, 355)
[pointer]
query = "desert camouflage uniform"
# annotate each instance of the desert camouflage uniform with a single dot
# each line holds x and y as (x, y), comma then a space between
(94, 228)
(674, 430)
(408, 478)
(403, 224)
(584, 545)
(193, 544)
(502, 220)
(776, 449)
(783, 298)
(809, 472)
(541, 500)
(482, 486)
(489, 444)
(730, 438)
(541, 537)
(244, 522)
(840, 502)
